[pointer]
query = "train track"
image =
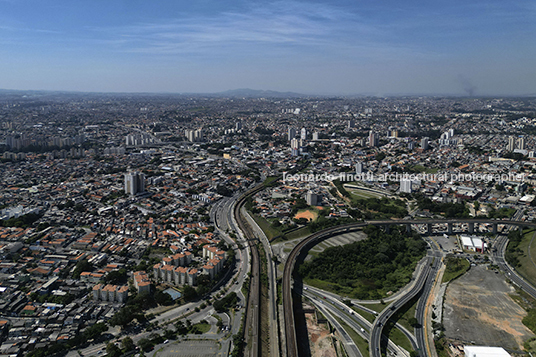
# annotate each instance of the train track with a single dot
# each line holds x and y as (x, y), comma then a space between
(253, 309)
(252, 324)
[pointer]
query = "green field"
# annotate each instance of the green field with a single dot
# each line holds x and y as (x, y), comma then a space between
(266, 227)
(400, 339)
(362, 194)
(410, 312)
(299, 233)
(271, 232)
(527, 262)
(366, 315)
(456, 267)
(375, 307)
(202, 327)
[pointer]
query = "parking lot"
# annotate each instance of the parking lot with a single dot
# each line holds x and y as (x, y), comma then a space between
(191, 348)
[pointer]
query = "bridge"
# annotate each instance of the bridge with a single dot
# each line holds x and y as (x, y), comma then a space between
(290, 330)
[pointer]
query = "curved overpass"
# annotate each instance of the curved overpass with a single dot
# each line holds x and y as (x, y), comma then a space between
(290, 326)
(387, 313)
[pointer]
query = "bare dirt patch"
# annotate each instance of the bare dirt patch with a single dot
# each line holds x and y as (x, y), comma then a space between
(320, 339)
(479, 310)
(309, 215)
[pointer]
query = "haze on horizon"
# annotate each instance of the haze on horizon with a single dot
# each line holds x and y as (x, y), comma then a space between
(458, 47)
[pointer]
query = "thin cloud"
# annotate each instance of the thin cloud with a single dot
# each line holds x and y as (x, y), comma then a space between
(277, 24)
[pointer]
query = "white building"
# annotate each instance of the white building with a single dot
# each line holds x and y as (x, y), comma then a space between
(483, 351)
(405, 186)
(303, 134)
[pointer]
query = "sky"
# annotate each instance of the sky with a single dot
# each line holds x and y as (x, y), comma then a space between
(340, 47)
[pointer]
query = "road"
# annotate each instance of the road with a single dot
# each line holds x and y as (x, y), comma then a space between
(337, 300)
(272, 286)
(353, 319)
(498, 257)
(330, 312)
(390, 311)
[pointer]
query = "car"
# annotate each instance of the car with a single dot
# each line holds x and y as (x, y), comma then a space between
(166, 341)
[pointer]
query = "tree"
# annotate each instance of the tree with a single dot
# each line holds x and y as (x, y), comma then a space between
(145, 345)
(81, 267)
(413, 322)
(169, 334)
(112, 350)
(123, 317)
(128, 344)
(163, 298)
(181, 328)
(95, 331)
(189, 293)
(116, 277)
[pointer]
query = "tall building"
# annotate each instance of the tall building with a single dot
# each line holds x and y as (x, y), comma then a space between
(295, 147)
(303, 134)
(291, 134)
(405, 186)
(238, 125)
(315, 136)
(351, 124)
(424, 143)
(373, 139)
(359, 168)
(521, 143)
(511, 144)
(134, 183)
(311, 198)
(194, 135)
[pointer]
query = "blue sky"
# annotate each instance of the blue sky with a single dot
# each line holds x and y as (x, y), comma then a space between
(313, 47)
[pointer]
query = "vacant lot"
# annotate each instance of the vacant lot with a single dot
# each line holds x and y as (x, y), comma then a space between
(478, 309)
(307, 214)
(320, 339)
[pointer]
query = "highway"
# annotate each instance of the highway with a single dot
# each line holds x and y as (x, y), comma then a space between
(420, 312)
(498, 258)
(358, 323)
(389, 311)
(337, 300)
(330, 312)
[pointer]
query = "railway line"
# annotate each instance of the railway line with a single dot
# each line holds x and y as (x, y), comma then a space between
(252, 322)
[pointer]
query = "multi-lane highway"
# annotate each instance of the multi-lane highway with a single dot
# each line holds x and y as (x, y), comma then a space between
(290, 330)
(391, 310)
(338, 309)
(498, 257)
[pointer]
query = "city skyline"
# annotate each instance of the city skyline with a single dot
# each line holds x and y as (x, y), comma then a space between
(309, 47)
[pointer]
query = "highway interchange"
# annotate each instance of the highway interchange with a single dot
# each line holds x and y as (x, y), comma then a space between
(227, 220)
